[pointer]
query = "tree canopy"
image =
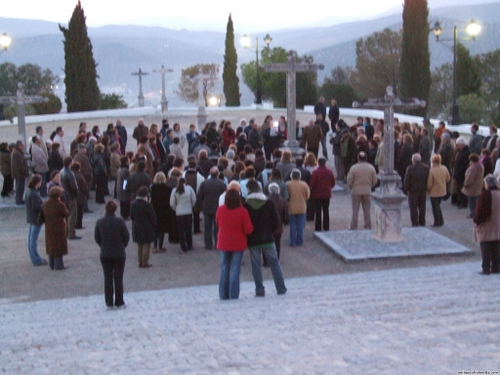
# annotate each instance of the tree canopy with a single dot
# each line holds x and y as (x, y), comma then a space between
(229, 77)
(273, 85)
(82, 92)
(188, 86)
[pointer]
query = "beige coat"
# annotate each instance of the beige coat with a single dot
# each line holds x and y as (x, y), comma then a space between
(361, 178)
(299, 193)
(438, 178)
(490, 230)
(473, 184)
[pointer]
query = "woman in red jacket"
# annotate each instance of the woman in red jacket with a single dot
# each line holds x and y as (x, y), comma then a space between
(228, 136)
(234, 226)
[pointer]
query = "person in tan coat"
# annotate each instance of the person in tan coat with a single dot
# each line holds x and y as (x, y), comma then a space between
(312, 137)
(361, 178)
(473, 183)
(56, 242)
(298, 194)
(487, 226)
(437, 181)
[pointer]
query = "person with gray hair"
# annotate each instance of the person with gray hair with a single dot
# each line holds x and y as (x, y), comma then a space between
(487, 226)
(415, 186)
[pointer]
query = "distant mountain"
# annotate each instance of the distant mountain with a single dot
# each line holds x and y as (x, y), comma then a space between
(120, 50)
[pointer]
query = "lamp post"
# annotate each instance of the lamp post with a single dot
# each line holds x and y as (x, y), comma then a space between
(473, 29)
(245, 41)
(4, 42)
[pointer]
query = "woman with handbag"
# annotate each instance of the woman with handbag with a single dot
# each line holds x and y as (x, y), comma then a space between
(35, 218)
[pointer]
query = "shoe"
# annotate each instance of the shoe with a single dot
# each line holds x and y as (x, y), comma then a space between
(147, 266)
(60, 269)
(182, 251)
(484, 273)
(79, 227)
(74, 238)
(110, 307)
(43, 263)
(121, 307)
(263, 294)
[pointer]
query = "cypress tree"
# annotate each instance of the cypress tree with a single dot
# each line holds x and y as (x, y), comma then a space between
(229, 77)
(82, 92)
(415, 56)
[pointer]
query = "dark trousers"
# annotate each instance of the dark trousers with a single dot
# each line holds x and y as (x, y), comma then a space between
(196, 222)
(436, 211)
(20, 182)
(310, 210)
(159, 239)
(490, 251)
(322, 205)
(416, 201)
(185, 224)
(56, 263)
(8, 185)
(100, 188)
(313, 150)
(125, 209)
(211, 230)
(277, 244)
(113, 280)
(79, 215)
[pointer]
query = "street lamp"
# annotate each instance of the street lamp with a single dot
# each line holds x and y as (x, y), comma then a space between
(473, 29)
(4, 42)
(245, 41)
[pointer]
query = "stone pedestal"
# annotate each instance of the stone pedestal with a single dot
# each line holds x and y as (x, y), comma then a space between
(202, 117)
(388, 201)
(164, 105)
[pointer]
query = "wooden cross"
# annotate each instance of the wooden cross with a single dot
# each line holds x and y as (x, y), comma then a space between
(291, 67)
(20, 100)
(140, 73)
(164, 102)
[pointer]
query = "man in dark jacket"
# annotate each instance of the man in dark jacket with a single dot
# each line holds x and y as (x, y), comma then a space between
(143, 225)
(415, 185)
(333, 113)
(138, 179)
(321, 185)
(208, 198)
(112, 236)
(122, 132)
(70, 186)
(459, 168)
(266, 222)
(19, 168)
(320, 121)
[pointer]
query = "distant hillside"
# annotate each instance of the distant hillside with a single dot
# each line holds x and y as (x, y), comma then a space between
(120, 50)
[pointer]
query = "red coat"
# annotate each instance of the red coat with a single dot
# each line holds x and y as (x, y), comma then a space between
(321, 183)
(234, 227)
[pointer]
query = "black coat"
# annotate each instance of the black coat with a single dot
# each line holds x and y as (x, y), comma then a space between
(416, 177)
(265, 221)
(461, 164)
(136, 180)
(209, 193)
(160, 199)
(143, 221)
(112, 236)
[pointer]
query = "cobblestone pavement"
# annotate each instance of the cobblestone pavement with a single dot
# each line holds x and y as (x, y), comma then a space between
(425, 320)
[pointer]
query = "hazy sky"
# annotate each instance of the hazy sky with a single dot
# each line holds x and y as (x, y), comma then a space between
(265, 14)
(256, 14)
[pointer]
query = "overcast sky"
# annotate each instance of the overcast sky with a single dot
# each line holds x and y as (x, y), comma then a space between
(258, 15)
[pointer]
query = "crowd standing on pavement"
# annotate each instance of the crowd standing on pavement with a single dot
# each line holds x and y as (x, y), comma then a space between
(224, 175)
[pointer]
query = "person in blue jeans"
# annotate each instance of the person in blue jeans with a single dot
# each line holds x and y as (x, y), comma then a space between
(266, 222)
(298, 193)
(33, 209)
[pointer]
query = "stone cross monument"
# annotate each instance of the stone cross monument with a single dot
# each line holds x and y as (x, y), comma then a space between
(291, 67)
(202, 114)
(388, 198)
(140, 73)
(164, 102)
(20, 100)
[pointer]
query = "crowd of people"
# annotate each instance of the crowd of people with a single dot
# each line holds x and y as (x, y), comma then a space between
(241, 181)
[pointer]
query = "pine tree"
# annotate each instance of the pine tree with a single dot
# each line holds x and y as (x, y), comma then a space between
(231, 80)
(82, 92)
(415, 56)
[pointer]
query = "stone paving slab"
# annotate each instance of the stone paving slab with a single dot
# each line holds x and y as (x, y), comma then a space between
(426, 320)
(360, 245)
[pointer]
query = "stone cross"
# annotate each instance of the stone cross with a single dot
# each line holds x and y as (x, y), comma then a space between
(164, 102)
(291, 67)
(140, 73)
(388, 198)
(202, 113)
(20, 100)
